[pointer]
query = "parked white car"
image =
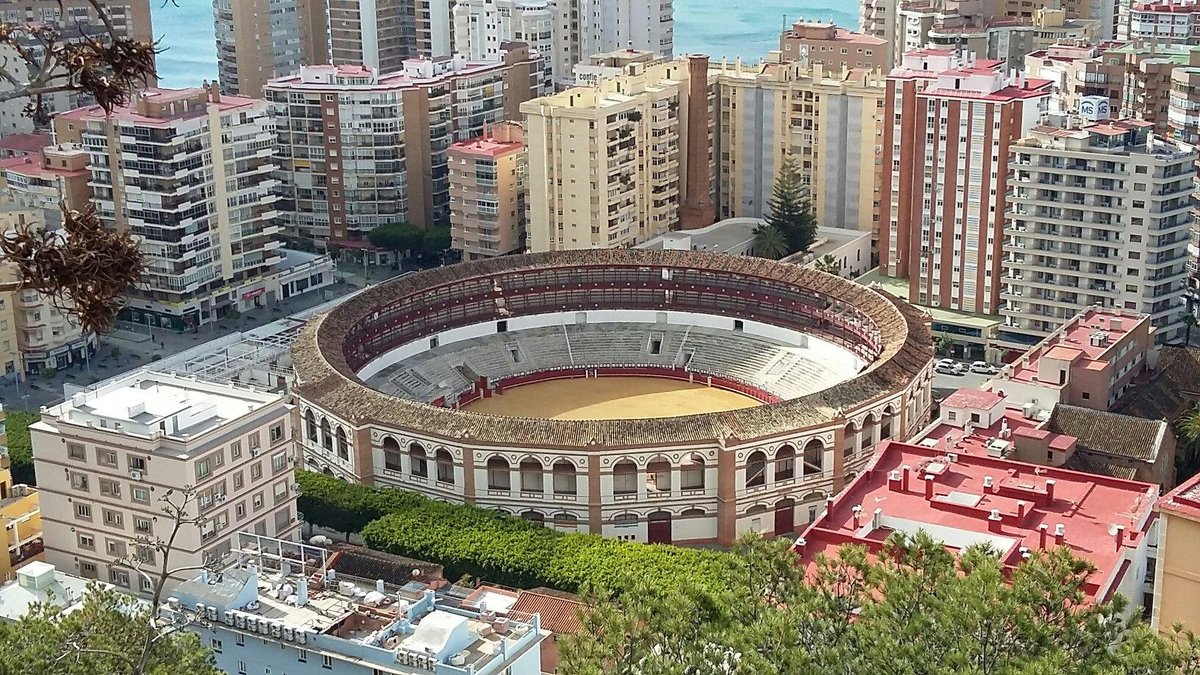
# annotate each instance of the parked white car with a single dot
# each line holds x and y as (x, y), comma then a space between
(983, 368)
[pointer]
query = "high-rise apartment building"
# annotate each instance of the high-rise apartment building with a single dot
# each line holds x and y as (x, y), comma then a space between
(359, 149)
(995, 29)
(566, 32)
(382, 34)
(1098, 215)
(828, 121)
(949, 122)
(109, 455)
(823, 43)
(1135, 78)
(612, 160)
(488, 187)
(1167, 21)
(189, 172)
(261, 39)
(55, 175)
(482, 26)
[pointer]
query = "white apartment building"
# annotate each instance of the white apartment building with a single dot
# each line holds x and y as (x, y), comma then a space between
(608, 25)
(950, 118)
(1098, 216)
(189, 172)
(1168, 22)
(107, 456)
(482, 27)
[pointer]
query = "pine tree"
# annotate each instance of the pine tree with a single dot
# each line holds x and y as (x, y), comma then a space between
(790, 210)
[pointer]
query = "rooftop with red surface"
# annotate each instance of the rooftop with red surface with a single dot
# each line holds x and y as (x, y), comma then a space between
(965, 499)
(486, 147)
(1184, 499)
(1073, 343)
(951, 438)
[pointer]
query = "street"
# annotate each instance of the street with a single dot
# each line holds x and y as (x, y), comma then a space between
(944, 385)
(125, 350)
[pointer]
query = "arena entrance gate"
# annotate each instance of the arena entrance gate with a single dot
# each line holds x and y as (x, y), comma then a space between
(658, 529)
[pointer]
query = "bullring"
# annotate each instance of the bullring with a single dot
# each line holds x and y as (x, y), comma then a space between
(385, 383)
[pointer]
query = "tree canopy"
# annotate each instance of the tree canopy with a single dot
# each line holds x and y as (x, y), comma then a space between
(915, 608)
(107, 634)
(769, 242)
(437, 239)
(789, 210)
(397, 237)
(20, 449)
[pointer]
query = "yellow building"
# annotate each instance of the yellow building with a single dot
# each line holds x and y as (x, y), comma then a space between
(1176, 577)
(21, 515)
(828, 122)
(611, 167)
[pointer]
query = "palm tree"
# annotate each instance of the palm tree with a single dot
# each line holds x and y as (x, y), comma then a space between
(1189, 320)
(769, 242)
(1187, 427)
(828, 264)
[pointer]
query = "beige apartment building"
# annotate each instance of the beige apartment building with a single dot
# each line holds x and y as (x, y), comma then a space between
(261, 39)
(1176, 584)
(614, 161)
(487, 193)
(106, 457)
(379, 155)
(190, 172)
(822, 43)
(55, 175)
(828, 121)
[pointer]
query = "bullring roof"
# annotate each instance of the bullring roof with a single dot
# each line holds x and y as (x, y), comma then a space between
(325, 379)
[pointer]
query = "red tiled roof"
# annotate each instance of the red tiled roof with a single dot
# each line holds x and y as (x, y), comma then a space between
(972, 398)
(26, 143)
(558, 614)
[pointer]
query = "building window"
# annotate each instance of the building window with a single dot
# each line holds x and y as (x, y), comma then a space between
(110, 488)
(692, 476)
(239, 640)
(140, 495)
(278, 462)
(235, 450)
(79, 481)
(625, 478)
(203, 469)
(445, 467)
(142, 525)
(277, 433)
(418, 464)
(499, 474)
(302, 655)
(1086, 395)
(343, 450)
(241, 668)
(87, 570)
(119, 577)
(785, 463)
(75, 451)
(106, 458)
(87, 541)
(83, 511)
(391, 455)
(531, 476)
(814, 457)
(327, 662)
(137, 463)
(756, 469)
(114, 518)
(564, 478)
(239, 481)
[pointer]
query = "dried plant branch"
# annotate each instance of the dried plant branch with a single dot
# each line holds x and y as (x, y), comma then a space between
(86, 274)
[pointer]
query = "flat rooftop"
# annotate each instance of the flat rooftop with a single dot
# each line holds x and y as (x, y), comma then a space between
(1184, 500)
(1087, 341)
(147, 404)
(966, 499)
(898, 288)
(40, 582)
(290, 593)
(731, 234)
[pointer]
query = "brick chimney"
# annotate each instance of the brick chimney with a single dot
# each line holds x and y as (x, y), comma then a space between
(697, 209)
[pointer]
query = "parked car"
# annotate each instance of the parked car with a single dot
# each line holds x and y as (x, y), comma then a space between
(983, 368)
(947, 367)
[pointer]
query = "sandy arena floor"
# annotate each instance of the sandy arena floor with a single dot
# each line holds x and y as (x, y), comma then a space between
(611, 398)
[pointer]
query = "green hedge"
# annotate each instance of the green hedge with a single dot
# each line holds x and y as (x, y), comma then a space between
(491, 545)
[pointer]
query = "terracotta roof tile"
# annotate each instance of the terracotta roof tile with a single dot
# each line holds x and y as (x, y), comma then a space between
(1109, 433)
(559, 614)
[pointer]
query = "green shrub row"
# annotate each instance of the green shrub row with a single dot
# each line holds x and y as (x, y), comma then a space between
(498, 547)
